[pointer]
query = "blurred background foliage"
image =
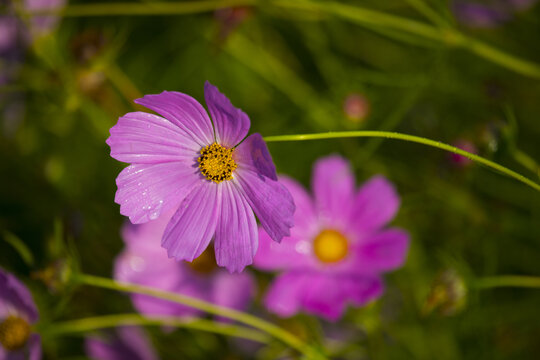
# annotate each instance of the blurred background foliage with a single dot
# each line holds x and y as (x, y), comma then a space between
(293, 70)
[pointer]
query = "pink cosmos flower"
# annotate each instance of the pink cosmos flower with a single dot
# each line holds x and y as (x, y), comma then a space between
(17, 314)
(126, 343)
(202, 170)
(339, 246)
(144, 262)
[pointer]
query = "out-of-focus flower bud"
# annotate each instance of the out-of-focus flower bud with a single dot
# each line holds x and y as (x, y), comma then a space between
(448, 294)
(356, 107)
(88, 45)
(55, 276)
(459, 160)
(229, 19)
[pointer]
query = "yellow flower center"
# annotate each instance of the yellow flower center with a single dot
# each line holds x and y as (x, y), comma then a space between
(330, 246)
(216, 163)
(14, 333)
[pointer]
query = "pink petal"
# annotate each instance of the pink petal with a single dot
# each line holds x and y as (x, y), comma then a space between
(270, 200)
(292, 253)
(324, 296)
(305, 216)
(143, 237)
(231, 124)
(284, 297)
(236, 233)
(321, 294)
(190, 230)
(145, 262)
(360, 291)
(15, 296)
(252, 154)
(233, 290)
(150, 266)
(333, 187)
(34, 347)
(384, 251)
(328, 296)
(376, 203)
(147, 190)
(144, 138)
(183, 111)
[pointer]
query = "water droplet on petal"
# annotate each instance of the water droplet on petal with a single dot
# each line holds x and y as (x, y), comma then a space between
(137, 263)
(303, 247)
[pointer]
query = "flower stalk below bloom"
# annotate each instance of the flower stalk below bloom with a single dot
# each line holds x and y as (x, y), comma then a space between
(410, 138)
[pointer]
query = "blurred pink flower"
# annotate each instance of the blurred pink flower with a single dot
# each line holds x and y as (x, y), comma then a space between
(339, 247)
(144, 262)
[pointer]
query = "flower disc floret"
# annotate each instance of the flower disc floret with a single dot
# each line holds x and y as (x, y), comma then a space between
(14, 333)
(216, 163)
(330, 246)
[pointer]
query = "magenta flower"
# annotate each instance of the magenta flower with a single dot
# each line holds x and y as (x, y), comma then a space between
(126, 343)
(144, 262)
(338, 248)
(17, 314)
(201, 169)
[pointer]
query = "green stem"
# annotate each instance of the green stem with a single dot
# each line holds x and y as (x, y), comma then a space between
(428, 12)
(143, 9)
(269, 328)
(526, 161)
(363, 16)
(410, 138)
(110, 321)
(507, 281)
(500, 57)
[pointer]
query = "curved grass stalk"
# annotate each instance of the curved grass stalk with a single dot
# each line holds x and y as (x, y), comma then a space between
(507, 281)
(410, 138)
(356, 14)
(428, 12)
(247, 319)
(446, 35)
(110, 321)
(142, 9)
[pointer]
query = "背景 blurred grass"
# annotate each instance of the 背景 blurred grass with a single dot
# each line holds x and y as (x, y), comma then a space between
(290, 69)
